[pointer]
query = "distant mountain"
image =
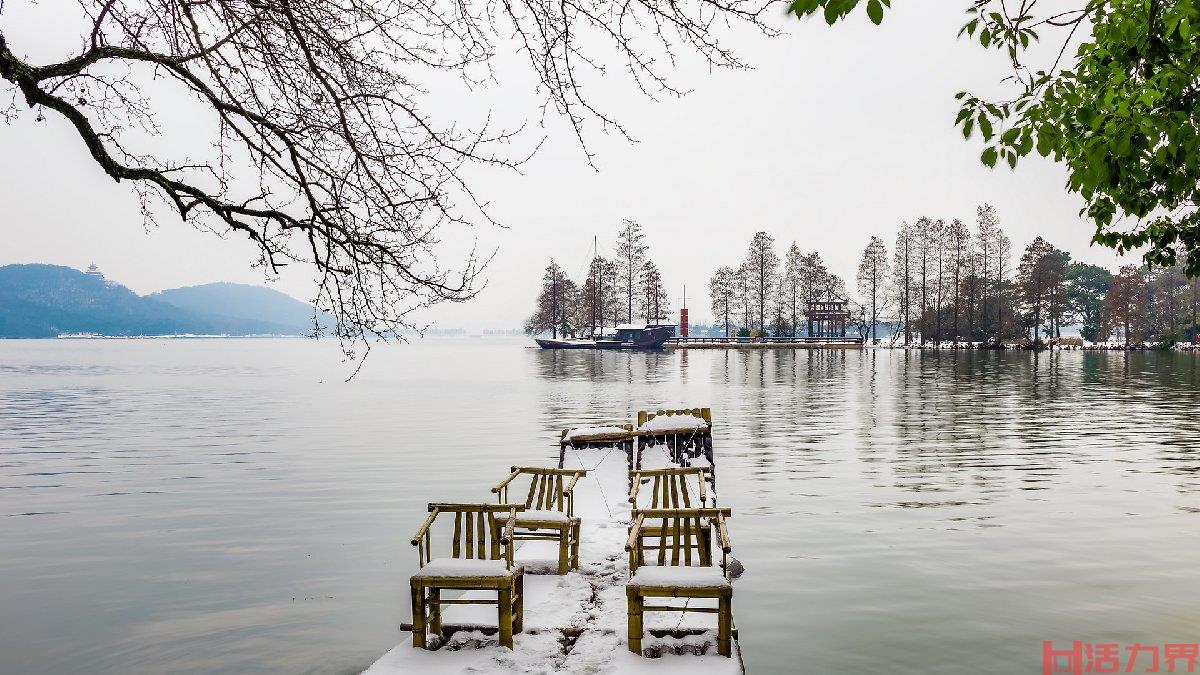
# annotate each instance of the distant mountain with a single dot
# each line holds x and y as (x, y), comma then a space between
(251, 303)
(49, 300)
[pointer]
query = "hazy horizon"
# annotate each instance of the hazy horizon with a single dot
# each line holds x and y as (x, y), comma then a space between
(835, 136)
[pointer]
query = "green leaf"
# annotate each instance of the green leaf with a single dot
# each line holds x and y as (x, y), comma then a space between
(988, 157)
(985, 127)
(1010, 136)
(875, 11)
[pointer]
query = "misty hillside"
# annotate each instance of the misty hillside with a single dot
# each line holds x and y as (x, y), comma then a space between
(242, 301)
(39, 301)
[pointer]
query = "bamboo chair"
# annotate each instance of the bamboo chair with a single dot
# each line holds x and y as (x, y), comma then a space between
(684, 570)
(686, 443)
(481, 558)
(583, 438)
(549, 510)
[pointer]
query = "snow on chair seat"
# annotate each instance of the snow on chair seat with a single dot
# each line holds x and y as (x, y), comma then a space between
(526, 517)
(549, 509)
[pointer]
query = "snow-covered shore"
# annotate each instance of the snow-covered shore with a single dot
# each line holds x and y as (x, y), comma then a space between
(576, 623)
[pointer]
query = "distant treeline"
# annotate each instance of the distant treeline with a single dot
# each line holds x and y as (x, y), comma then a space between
(944, 282)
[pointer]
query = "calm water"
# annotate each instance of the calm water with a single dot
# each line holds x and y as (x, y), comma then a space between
(235, 506)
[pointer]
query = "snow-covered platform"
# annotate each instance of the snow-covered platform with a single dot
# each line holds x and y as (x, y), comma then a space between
(577, 623)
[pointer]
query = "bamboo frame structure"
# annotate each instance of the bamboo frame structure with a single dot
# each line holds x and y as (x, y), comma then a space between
(669, 488)
(684, 445)
(478, 534)
(624, 441)
(687, 535)
(550, 489)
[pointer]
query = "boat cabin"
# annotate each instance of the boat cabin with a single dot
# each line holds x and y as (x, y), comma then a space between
(630, 332)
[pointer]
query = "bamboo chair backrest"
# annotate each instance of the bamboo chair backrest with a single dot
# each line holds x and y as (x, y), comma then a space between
(669, 488)
(684, 536)
(550, 489)
(703, 413)
(481, 531)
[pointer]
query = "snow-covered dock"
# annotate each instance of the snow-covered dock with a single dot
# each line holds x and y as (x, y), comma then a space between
(577, 623)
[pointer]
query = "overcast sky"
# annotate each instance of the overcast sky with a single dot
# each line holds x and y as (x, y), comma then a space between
(834, 136)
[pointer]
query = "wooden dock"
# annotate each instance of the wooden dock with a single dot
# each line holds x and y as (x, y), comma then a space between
(847, 342)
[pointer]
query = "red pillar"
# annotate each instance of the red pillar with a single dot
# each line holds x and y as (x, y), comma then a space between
(683, 322)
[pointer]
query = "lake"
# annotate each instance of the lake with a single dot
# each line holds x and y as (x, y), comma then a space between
(196, 506)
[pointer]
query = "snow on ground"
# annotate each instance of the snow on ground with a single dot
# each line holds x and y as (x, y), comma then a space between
(576, 623)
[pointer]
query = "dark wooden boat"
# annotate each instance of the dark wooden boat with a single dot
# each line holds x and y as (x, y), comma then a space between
(627, 337)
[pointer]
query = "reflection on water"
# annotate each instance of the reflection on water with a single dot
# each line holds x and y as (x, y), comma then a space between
(199, 506)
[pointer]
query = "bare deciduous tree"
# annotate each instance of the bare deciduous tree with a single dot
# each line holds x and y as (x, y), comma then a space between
(722, 292)
(872, 278)
(324, 152)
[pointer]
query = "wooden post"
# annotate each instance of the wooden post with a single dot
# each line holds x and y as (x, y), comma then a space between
(435, 613)
(564, 551)
(418, 614)
(635, 620)
(504, 611)
(725, 623)
(519, 604)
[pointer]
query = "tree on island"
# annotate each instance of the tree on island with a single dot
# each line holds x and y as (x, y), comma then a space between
(1039, 274)
(1125, 305)
(1086, 286)
(722, 292)
(600, 297)
(790, 293)
(762, 264)
(630, 257)
(902, 277)
(557, 305)
(1120, 113)
(654, 302)
(324, 153)
(872, 274)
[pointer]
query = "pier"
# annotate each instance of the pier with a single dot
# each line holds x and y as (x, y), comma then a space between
(648, 589)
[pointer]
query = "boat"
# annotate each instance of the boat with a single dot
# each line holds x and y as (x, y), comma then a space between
(628, 336)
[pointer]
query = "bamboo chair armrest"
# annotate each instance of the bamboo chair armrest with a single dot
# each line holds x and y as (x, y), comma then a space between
(634, 532)
(723, 535)
(425, 526)
(511, 477)
(510, 524)
(633, 491)
(574, 479)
